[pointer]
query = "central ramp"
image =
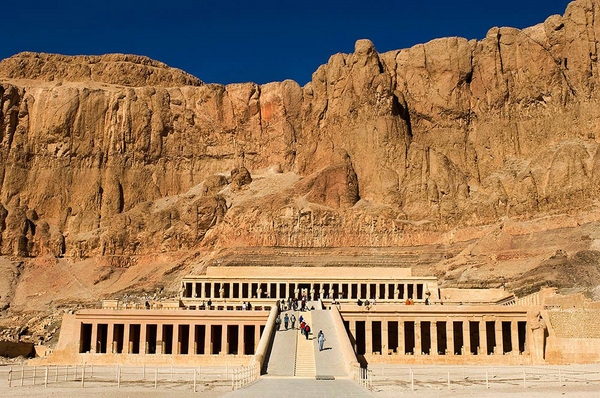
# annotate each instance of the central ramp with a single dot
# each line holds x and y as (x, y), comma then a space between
(305, 351)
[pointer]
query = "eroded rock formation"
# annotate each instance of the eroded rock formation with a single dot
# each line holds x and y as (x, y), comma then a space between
(121, 155)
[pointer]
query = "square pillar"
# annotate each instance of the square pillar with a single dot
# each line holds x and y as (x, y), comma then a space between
(384, 337)
(499, 341)
(94, 344)
(352, 323)
(278, 291)
(194, 290)
(175, 344)
(434, 338)
(110, 343)
(414, 297)
(224, 340)
(450, 336)
(202, 290)
(256, 336)
(377, 291)
(368, 337)
(483, 348)
(208, 339)
(192, 345)
(405, 293)
(126, 343)
(241, 345)
(143, 348)
(401, 342)
(418, 340)
(159, 339)
(514, 336)
(466, 337)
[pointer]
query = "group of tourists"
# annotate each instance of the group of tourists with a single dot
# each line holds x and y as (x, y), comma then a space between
(294, 304)
(303, 326)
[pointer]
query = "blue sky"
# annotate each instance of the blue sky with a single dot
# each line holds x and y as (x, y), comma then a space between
(260, 41)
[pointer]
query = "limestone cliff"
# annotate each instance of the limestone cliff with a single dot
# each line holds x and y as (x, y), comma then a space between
(122, 155)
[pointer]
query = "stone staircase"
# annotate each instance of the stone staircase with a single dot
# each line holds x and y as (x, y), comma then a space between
(305, 352)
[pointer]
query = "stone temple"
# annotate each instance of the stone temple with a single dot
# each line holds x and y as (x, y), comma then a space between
(370, 315)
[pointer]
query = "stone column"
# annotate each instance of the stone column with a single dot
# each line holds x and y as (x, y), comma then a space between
(514, 332)
(175, 344)
(418, 339)
(434, 338)
(126, 344)
(224, 340)
(278, 291)
(377, 291)
(405, 294)
(208, 340)
(143, 345)
(94, 345)
(240, 350)
(353, 332)
(194, 289)
(499, 342)
(401, 342)
(368, 337)
(159, 339)
(202, 290)
(384, 337)
(450, 336)
(415, 291)
(482, 338)
(192, 340)
(256, 336)
(466, 337)
(110, 343)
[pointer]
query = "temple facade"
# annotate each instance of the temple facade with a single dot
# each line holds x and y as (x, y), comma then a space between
(227, 316)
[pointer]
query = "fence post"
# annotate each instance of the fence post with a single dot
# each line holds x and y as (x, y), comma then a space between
(144, 371)
(194, 370)
(46, 377)
(487, 380)
(10, 377)
(155, 377)
(448, 380)
(118, 376)
(22, 374)
(82, 376)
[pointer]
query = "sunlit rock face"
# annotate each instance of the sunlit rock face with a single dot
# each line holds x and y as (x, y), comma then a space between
(122, 155)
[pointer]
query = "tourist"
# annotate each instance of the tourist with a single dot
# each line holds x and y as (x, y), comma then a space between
(244, 306)
(286, 319)
(293, 320)
(277, 322)
(301, 318)
(302, 325)
(209, 303)
(321, 340)
(359, 302)
(306, 331)
(367, 304)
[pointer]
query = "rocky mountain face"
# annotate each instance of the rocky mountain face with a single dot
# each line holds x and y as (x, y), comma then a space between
(119, 155)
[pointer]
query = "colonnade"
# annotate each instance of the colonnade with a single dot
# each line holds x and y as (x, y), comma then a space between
(352, 290)
(448, 336)
(169, 338)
